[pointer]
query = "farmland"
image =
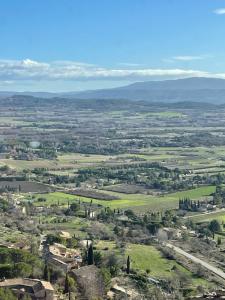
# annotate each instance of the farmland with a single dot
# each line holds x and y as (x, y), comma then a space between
(150, 259)
(143, 174)
(138, 202)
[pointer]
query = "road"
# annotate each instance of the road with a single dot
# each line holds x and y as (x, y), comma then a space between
(204, 264)
(205, 214)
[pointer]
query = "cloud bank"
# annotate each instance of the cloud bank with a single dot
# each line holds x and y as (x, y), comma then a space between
(11, 70)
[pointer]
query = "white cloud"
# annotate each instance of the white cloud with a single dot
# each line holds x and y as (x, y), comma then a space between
(220, 11)
(129, 64)
(188, 57)
(28, 70)
(68, 70)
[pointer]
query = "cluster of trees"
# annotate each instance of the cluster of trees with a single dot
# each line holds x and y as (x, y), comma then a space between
(6, 294)
(189, 205)
(219, 195)
(89, 146)
(152, 221)
(56, 238)
(199, 139)
(149, 175)
(17, 263)
(7, 188)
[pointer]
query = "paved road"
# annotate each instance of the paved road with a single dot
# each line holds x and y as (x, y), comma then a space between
(209, 267)
(206, 213)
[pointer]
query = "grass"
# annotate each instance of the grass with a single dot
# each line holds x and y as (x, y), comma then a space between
(220, 216)
(20, 165)
(145, 257)
(54, 198)
(136, 201)
(75, 226)
(101, 245)
(64, 161)
(82, 158)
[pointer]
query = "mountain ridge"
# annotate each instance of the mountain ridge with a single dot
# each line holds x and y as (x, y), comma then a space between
(195, 89)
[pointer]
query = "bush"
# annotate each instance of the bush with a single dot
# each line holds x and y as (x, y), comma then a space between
(6, 294)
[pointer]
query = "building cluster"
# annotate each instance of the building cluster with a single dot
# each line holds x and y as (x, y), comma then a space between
(63, 257)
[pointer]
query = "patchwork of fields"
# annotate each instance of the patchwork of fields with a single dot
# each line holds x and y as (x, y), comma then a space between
(138, 202)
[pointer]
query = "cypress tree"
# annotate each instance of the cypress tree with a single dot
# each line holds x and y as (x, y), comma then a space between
(46, 273)
(66, 287)
(90, 255)
(128, 264)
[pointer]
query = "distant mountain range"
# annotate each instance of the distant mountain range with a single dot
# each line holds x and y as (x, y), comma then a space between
(210, 90)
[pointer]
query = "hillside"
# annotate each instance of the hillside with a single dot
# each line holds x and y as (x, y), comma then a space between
(204, 90)
(209, 90)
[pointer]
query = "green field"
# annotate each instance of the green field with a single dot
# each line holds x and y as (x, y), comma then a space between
(220, 216)
(101, 245)
(62, 163)
(82, 158)
(20, 165)
(145, 257)
(136, 201)
(200, 160)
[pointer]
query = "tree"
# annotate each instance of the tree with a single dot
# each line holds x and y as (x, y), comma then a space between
(113, 264)
(66, 287)
(69, 285)
(6, 294)
(74, 207)
(214, 226)
(219, 241)
(46, 273)
(128, 264)
(90, 257)
(97, 258)
(106, 277)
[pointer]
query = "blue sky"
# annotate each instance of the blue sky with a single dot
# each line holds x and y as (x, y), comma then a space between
(66, 45)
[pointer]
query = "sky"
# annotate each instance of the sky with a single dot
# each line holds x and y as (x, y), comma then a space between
(72, 45)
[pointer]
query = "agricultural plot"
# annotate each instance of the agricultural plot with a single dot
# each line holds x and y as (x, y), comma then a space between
(220, 216)
(148, 258)
(21, 165)
(27, 186)
(64, 164)
(138, 202)
(75, 226)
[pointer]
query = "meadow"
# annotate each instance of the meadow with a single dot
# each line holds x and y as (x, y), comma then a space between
(138, 202)
(148, 258)
(220, 216)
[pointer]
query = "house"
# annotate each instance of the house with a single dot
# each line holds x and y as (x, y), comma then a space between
(36, 289)
(63, 257)
(172, 233)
